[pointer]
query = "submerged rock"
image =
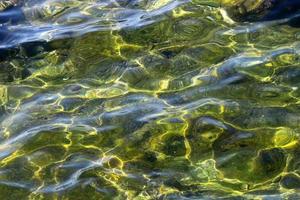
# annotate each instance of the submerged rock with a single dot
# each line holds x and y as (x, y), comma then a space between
(270, 162)
(290, 181)
(262, 10)
(245, 155)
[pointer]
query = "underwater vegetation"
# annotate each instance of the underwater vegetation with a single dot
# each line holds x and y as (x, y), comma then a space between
(149, 99)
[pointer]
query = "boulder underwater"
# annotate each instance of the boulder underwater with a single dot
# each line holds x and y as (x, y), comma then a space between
(263, 10)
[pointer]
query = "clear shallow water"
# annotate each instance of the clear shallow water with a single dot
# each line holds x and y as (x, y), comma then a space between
(149, 100)
(50, 20)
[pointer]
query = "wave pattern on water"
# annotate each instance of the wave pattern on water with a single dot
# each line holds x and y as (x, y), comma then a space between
(50, 20)
(180, 104)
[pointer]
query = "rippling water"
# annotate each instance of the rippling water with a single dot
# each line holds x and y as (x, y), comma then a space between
(148, 99)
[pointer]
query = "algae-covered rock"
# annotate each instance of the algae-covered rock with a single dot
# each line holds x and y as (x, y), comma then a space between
(257, 10)
(290, 181)
(270, 162)
(245, 156)
(250, 10)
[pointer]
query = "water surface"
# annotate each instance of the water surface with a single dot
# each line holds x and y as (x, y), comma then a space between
(157, 99)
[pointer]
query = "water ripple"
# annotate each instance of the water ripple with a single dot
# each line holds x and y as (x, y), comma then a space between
(52, 20)
(148, 100)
